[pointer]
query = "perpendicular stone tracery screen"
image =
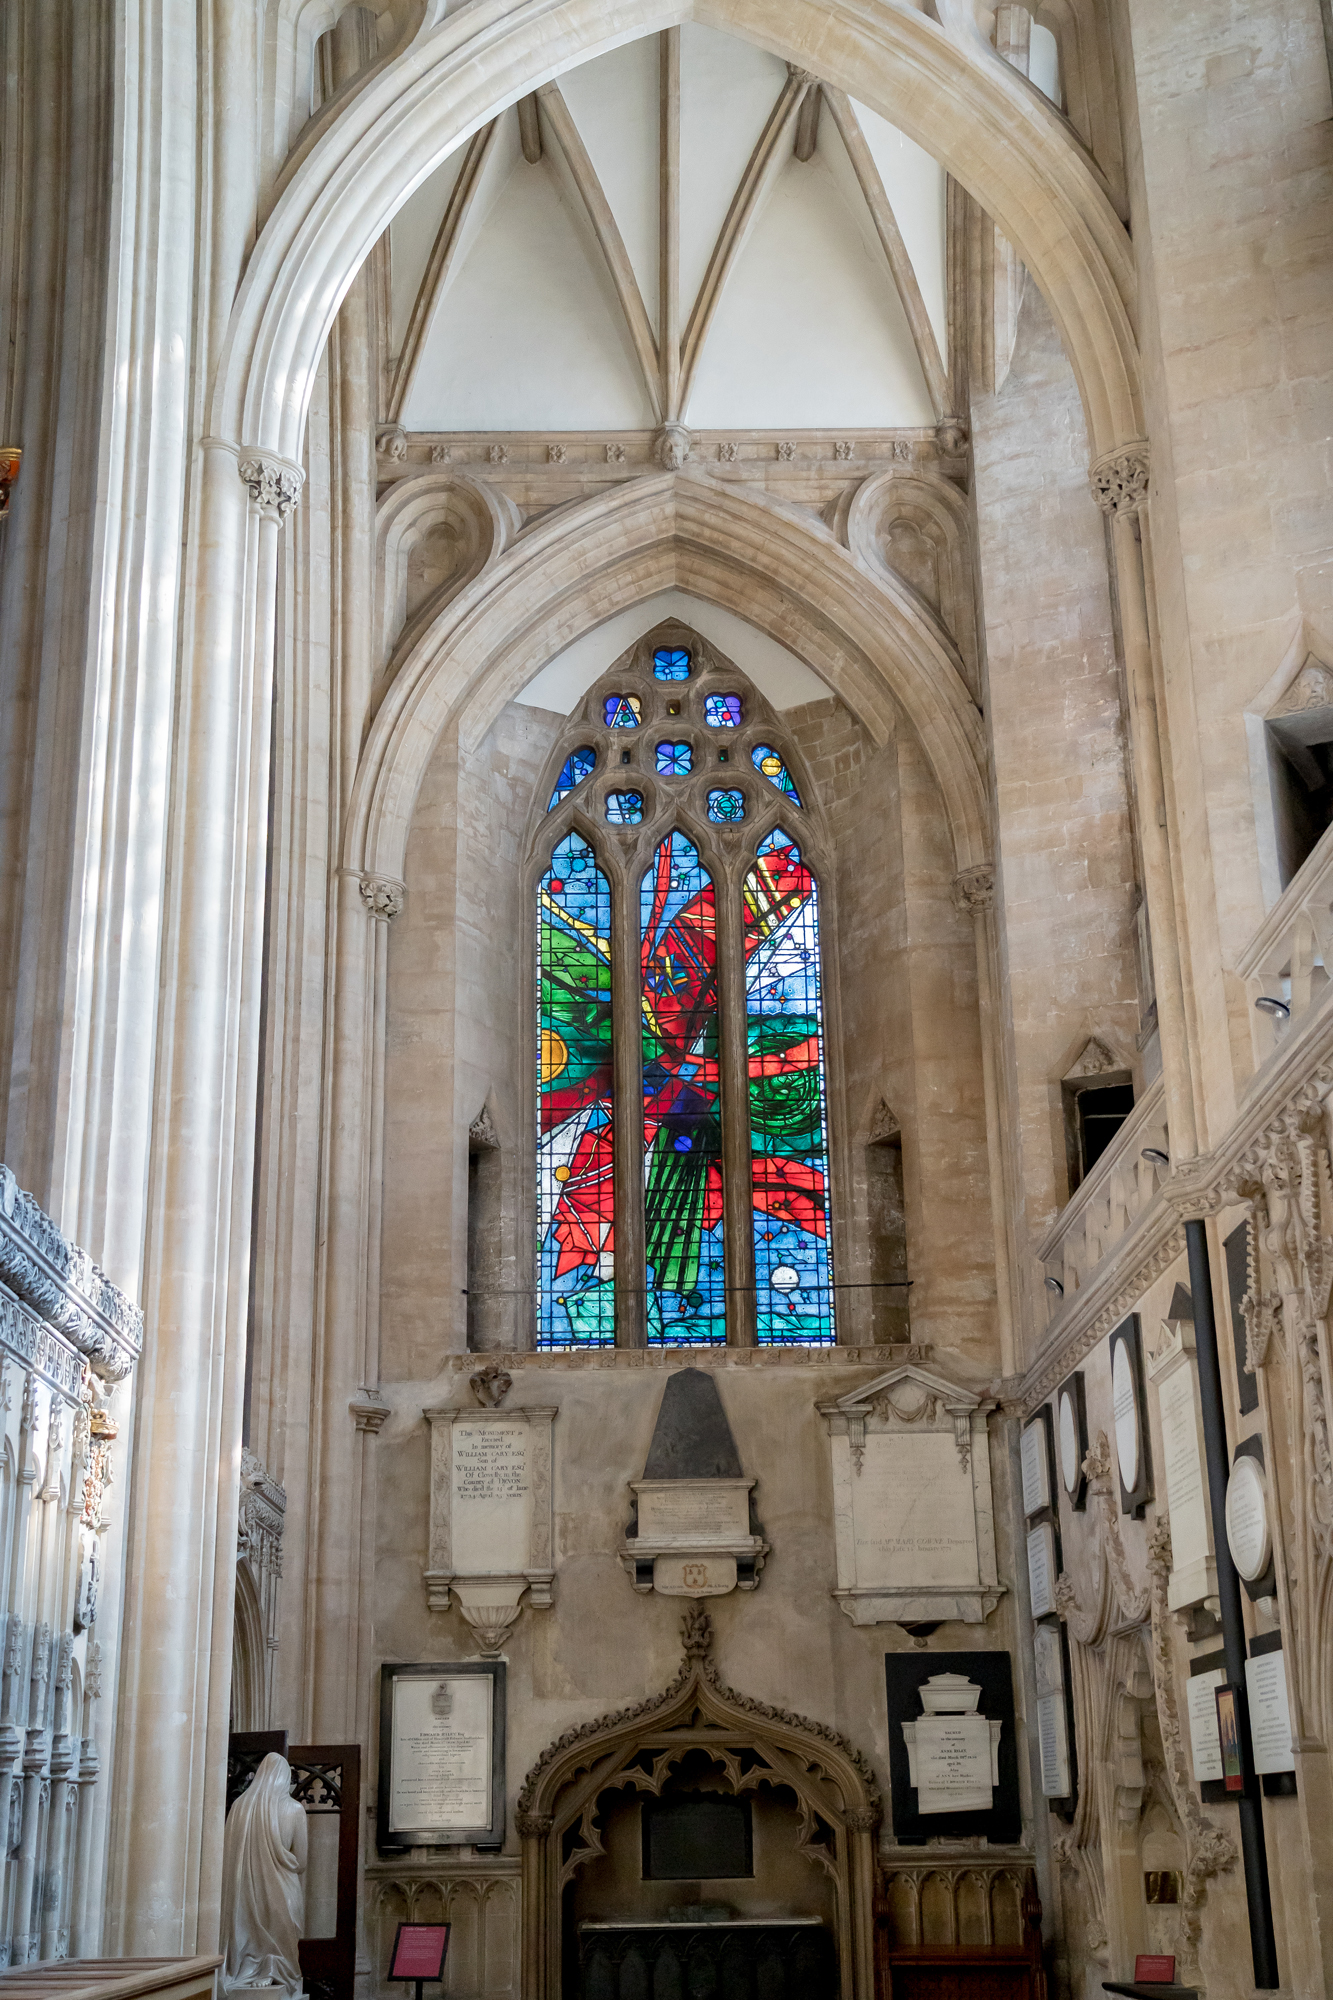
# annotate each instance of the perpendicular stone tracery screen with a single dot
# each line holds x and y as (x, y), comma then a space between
(682, 1125)
(788, 1111)
(576, 1153)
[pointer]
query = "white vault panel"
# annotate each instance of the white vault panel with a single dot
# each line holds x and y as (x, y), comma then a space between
(614, 103)
(916, 185)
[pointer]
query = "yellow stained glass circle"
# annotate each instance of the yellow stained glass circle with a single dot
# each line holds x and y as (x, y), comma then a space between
(771, 766)
(562, 1173)
(554, 1055)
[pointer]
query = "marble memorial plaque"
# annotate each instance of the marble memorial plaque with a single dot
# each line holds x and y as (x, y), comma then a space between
(693, 1510)
(913, 1513)
(1186, 1497)
(1070, 1463)
(490, 1498)
(1035, 1466)
(953, 1763)
(1125, 1414)
(441, 1770)
(1205, 1743)
(1041, 1569)
(1053, 1744)
(1270, 1717)
(1248, 1534)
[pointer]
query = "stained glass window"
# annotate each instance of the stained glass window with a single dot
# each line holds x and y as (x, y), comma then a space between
(788, 1115)
(682, 1128)
(671, 663)
(767, 761)
(622, 711)
(675, 760)
(578, 765)
(624, 808)
(726, 805)
(575, 1195)
(722, 711)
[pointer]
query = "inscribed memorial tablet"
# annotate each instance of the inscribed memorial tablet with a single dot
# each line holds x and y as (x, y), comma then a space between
(1182, 1468)
(1041, 1569)
(1205, 1744)
(442, 1732)
(913, 1512)
(1248, 1534)
(1270, 1717)
(1125, 1412)
(1053, 1741)
(490, 1498)
(1036, 1467)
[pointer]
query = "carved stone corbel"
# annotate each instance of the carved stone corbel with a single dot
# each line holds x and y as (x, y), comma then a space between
(974, 889)
(382, 896)
(274, 485)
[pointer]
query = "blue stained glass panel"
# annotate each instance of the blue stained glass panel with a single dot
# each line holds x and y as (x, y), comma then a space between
(675, 760)
(624, 808)
(682, 1125)
(770, 765)
(788, 1110)
(722, 711)
(579, 765)
(724, 806)
(622, 711)
(671, 663)
(575, 1157)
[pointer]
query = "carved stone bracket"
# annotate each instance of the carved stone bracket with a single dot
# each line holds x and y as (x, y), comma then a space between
(671, 446)
(1120, 479)
(274, 485)
(369, 1409)
(382, 896)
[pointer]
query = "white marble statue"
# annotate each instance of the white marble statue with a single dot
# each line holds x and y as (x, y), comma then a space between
(263, 1884)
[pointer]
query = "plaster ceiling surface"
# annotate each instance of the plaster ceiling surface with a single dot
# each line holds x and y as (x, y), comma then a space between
(509, 311)
(782, 678)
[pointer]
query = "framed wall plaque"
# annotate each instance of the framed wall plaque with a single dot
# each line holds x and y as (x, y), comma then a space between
(1071, 1433)
(1035, 1460)
(1129, 1414)
(442, 1737)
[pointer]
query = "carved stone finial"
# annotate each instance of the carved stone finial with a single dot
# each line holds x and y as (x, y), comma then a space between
(491, 1384)
(671, 446)
(490, 1623)
(273, 485)
(382, 897)
(974, 889)
(696, 1631)
(1120, 480)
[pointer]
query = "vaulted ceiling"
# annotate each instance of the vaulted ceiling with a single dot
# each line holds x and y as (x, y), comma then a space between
(681, 229)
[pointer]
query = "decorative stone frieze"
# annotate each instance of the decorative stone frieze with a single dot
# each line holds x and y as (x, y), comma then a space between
(382, 896)
(274, 485)
(63, 1286)
(1120, 480)
(974, 889)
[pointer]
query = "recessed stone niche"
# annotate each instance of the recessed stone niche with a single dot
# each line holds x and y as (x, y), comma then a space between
(913, 1519)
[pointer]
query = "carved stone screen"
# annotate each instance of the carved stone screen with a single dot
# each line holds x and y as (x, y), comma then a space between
(703, 1836)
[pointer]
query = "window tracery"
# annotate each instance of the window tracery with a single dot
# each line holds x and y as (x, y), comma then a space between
(703, 1054)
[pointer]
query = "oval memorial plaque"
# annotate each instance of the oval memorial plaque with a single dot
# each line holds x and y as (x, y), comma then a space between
(1069, 1465)
(1125, 1410)
(1248, 1535)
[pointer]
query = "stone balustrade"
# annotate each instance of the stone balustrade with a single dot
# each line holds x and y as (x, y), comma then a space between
(1109, 1201)
(1286, 960)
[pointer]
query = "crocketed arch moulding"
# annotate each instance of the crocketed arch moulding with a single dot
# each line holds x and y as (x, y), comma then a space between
(943, 86)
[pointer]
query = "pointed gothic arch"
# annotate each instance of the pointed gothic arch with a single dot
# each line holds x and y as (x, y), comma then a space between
(753, 1744)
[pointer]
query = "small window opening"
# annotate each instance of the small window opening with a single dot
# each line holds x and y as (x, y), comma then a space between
(890, 1297)
(1300, 765)
(485, 1328)
(1044, 64)
(1095, 1109)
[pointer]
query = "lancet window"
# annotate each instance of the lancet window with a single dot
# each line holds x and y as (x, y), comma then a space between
(682, 1142)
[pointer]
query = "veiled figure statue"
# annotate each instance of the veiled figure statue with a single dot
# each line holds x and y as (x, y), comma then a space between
(263, 1883)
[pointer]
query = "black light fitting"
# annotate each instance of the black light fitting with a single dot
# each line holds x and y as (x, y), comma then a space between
(1054, 1285)
(1267, 1003)
(1156, 1155)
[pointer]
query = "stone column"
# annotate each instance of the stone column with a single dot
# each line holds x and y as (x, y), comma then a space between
(164, 1884)
(974, 893)
(1120, 488)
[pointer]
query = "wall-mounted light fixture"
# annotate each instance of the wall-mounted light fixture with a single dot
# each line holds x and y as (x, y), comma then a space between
(1156, 1155)
(1268, 1004)
(1054, 1285)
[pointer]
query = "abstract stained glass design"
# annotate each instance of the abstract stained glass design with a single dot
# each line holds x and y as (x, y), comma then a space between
(725, 806)
(788, 1116)
(722, 711)
(575, 1205)
(674, 760)
(682, 1127)
(671, 663)
(622, 711)
(580, 764)
(768, 762)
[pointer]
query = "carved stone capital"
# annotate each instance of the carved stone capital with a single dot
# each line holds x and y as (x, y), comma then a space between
(274, 486)
(382, 897)
(974, 889)
(1120, 479)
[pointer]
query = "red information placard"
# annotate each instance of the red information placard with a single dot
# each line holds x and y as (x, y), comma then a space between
(1154, 1968)
(418, 1951)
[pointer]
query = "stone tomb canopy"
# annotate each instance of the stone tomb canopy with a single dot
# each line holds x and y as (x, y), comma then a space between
(913, 1516)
